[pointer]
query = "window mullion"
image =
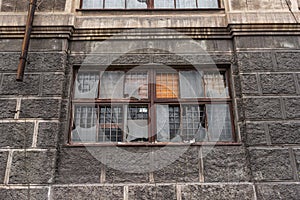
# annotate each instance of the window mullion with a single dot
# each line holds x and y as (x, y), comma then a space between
(152, 113)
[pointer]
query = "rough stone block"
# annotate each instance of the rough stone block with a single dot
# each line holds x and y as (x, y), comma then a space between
(181, 165)
(278, 191)
(222, 191)
(262, 108)
(29, 86)
(292, 107)
(52, 84)
(237, 86)
(249, 84)
(40, 108)
(9, 61)
(24, 194)
(148, 192)
(256, 61)
(47, 134)
(132, 59)
(278, 84)
(288, 60)
(16, 135)
(87, 192)
(46, 62)
(127, 164)
(297, 157)
(94, 59)
(32, 167)
(270, 164)
(225, 164)
(240, 109)
(78, 165)
(3, 163)
(255, 134)
(285, 133)
(116, 176)
(7, 108)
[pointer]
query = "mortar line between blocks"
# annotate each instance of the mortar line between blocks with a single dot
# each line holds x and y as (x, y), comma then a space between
(283, 111)
(178, 192)
(35, 134)
(125, 192)
(201, 167)
(293, 164)
(254, 192)
(18, 109)
(297, 83)
(8, 167)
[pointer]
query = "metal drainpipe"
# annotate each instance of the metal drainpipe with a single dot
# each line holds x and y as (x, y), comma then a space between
(25, 45)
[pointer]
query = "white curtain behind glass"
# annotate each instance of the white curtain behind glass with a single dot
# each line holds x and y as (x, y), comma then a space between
(135, 4)
(164, 4)
(92, 4)
(207, 3)
(162, 123)
(186, 4)
(191, 85)
(219, 124)
(111, 85)
(114, 4)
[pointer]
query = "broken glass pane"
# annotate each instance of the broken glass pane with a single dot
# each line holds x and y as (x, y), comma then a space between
(111, 85)
(86, 85)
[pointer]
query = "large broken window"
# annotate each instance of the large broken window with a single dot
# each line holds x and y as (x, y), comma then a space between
(149, 4)
(150, 105)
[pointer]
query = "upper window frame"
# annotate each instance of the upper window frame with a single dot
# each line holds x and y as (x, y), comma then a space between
(151, 6)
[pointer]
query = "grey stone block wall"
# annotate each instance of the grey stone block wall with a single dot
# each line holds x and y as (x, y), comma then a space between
(36, 161)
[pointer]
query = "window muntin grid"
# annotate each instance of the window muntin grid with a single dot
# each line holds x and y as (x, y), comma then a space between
(167, 85)
(149, 4)
(181, 127)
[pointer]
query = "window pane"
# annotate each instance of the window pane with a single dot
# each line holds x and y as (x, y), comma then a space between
(167, 85)
(208, 4)
(136, 85)
(111, 85)
(134, 4)
(186, 4)
(191, 85)
(193, 123)
(164, 4)
(111, 118)
(215, 85)
(219, 122)
(94, 4)
(86, 85)
(136, 125)
(114, 4)
(84, 124)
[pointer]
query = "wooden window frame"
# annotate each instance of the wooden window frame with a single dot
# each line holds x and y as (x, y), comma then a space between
(151, 102)
(150, 6)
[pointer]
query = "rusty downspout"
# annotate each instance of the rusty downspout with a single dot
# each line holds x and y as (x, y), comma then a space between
(25, 45)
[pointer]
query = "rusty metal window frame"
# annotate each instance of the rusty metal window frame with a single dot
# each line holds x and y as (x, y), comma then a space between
(150, 5)
(150, 103)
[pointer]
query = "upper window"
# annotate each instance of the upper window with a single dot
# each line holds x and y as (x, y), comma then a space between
(148, 4)
(151, 105)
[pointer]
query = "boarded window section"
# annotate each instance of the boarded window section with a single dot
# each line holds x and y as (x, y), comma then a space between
(111, 119)
(167, 85)
(86, 85)
(136, 85)
(149, 4)
(84, 127)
